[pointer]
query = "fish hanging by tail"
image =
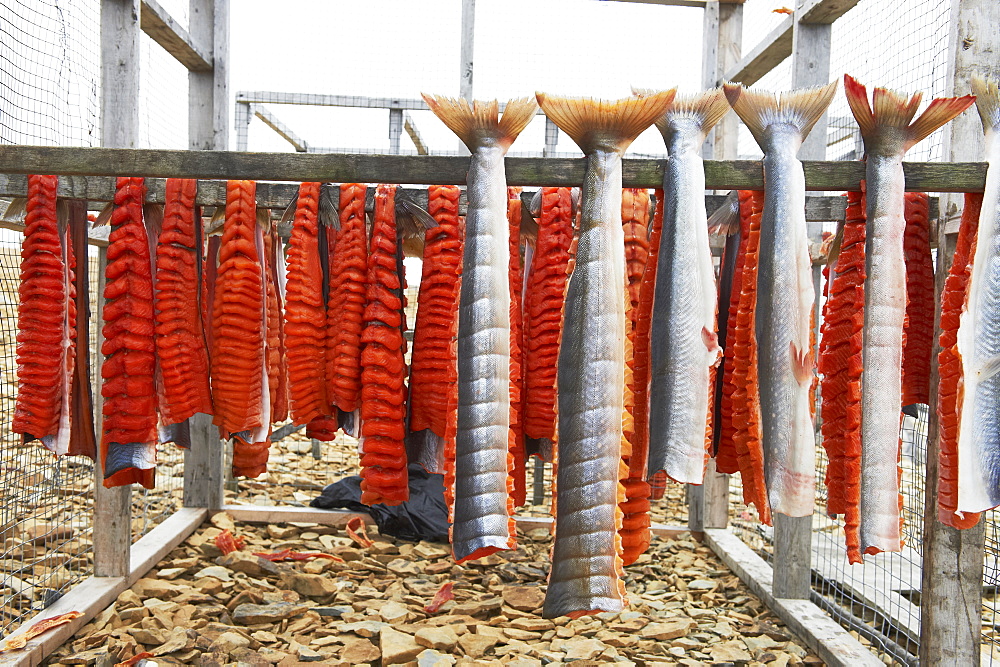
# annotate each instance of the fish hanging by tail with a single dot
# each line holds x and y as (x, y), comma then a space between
(586, 574)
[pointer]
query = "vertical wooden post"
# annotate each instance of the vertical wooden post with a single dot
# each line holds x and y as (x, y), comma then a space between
(708, 504)
(208, 129)
(465, 57)
(395, 130)
(952, 573)
(119, 129)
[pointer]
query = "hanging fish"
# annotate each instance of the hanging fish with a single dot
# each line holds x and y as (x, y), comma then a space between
(918, 324)
(887, 134)
(483, 504)
(785, 296)
(586, 560)
(978, 341)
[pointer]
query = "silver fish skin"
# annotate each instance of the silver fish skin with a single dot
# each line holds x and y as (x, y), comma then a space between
(482, 523)
(979, 334)
(887, 134)
(586, 561)
(785, 293)
(683, 343)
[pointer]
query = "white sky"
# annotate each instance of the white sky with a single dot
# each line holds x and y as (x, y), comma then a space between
(400, 48)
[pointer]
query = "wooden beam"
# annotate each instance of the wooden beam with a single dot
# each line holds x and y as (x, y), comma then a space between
(156, 22)
(411, 130)
(283, 130)
(208, 92)
(824, 11)
(832, 643)
(673, 3)
(203, 465)
(94, 594)
(764, 57)
(444, 170)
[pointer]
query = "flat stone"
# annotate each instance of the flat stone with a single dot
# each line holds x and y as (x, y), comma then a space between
(582, 649)
(669, 629)
(729, 652)
(306, 654)
(442, 638)
(310, 585)
(229, 641)
(522, 635)
(255, 614)
(255, 566)
(365, 628)
(523, 598)
(336, 610)
(702, 585)
(357, 651)
(394, 613)
(397, 646)
(532, 624)
(760, 643)
(217, 571)
(476, 645)
(169, 573)
(478, 609)
(403, 566)
(431, 658)
(223, 521)
(147, 636)
(264, 636)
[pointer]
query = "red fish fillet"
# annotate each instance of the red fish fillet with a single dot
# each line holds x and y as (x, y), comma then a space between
(840, 365)
(383, 393)
(46, 320)
(728, 430)
(128, 443)
(433, 373)
(239, 325)
(345, 310)
(180, 339)
(950, 366)
(546, 293)
(639, 255)
(745, 395)
(918, 327)
(305, 312)
(516, 490)
(277, 381)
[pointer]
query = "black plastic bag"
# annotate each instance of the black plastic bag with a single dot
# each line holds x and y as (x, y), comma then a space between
(423, 517)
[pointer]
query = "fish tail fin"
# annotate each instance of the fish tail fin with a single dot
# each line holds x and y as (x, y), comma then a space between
(725, 221)
(707, 108)
(474, 122)
(890, 109)
(988, 102)
(612, 125)
(758, 109)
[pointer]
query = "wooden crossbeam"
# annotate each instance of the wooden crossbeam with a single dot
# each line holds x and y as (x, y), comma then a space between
(444, 170)
(156, 22)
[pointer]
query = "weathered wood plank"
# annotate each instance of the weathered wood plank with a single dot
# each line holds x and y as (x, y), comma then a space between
(208, 91)
(764, 57)
(203, 465)
(444, 170)
(822, 634)
(156, 22)
(824, 11)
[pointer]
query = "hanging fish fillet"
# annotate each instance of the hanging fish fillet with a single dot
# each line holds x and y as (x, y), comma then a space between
(586, 560)
(240, 389)
(46, 323)
(840, 365)
(726, 427)
(305, 312)
(274, 267)
(180, 338)
(433, 371)
(635, 507)
(383, 392)
(345, 310)
(978, 343)
(725, 221)
(951, 390)
(684, 347)
(784, 291)
(918, 324)
(515, 272)
(483, 504)
(128, 444)
(544, 295)
(887, 134)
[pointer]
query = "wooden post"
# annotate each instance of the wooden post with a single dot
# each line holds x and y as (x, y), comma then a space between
(119, 129)
(723, 34)
(203, 473)
(952, 572)
(208, 92)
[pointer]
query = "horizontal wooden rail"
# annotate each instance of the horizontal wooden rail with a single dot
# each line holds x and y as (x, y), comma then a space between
(442, 170)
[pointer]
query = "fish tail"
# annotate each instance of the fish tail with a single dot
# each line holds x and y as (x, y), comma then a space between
(593, 123)
(725, 220)
(987, 102)
(890, 109)
(758, 109)
(472, 123)
(707, 108)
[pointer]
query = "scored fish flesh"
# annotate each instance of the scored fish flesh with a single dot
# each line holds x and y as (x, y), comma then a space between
(887, 134)
(586, 563)
(785, 295)
(483, 503)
